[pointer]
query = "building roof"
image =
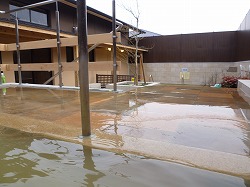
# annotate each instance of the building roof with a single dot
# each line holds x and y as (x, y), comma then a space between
(144, 34)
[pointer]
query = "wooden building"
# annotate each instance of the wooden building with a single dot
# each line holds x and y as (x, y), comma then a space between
(37, 29)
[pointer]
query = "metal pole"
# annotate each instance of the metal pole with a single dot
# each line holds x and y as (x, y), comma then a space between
(0, 74)
(83, 66)
(58, 45)
(0, 77)
(29, 6)
(18, 51)
(114, 48)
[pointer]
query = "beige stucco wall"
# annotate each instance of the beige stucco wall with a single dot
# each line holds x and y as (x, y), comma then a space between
(102, 54)
(123, 57)
(68, 77)
(201, 73)
(7, 58)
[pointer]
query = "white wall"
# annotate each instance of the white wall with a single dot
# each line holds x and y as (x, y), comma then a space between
(244, 70)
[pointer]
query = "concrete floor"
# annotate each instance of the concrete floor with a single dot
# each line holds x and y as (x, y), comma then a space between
(193, 125)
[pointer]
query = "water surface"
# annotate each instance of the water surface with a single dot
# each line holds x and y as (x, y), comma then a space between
(30, 160)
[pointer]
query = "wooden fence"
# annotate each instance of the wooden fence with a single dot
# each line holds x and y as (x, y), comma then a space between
(108, 79)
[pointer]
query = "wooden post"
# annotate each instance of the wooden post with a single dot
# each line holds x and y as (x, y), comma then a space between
(114, 48)
(83, 66)
(58, 45)
(18, 51)
(142, 67)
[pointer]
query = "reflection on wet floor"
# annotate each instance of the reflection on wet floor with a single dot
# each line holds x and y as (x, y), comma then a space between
(196, 117)
(207, 127)
(31, 160)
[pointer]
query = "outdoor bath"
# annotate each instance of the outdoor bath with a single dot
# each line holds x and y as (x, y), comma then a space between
(160, 135)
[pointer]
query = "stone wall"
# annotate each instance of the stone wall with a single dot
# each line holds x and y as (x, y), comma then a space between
(200, 73)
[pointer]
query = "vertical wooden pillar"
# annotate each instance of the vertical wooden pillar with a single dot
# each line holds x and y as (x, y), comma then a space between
(83, 66)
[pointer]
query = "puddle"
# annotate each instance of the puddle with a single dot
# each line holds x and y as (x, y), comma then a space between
(30, 160)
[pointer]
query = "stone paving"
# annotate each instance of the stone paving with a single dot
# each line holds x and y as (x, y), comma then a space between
(193, 125)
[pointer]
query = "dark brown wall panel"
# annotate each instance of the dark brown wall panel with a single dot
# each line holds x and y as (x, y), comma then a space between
(67, 15)
(224, 46)
(68, 20)
(196, 47)
(243, 45)
(97, 25)
(4, 5)
(169, 47)
(203, 47)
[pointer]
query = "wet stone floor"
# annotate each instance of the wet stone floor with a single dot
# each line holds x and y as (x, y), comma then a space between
(197, 126)
(32, 160)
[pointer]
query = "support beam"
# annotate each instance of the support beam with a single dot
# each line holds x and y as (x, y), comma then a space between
(2, 47)
(142, 68)
(32, 29)
(73, 41)
(51, 78)
(93, 47)
(33, 35)
(92, 66)
(89, 50)
(125, 46)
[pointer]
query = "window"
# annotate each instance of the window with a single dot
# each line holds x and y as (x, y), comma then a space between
(31, 16)
(38, 18)
(70, 54)
(92, 56)
(22, 14)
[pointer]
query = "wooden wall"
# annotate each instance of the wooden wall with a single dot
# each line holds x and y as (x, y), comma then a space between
(202, 47)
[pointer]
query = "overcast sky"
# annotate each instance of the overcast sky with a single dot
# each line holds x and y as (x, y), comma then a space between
(179, 16)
